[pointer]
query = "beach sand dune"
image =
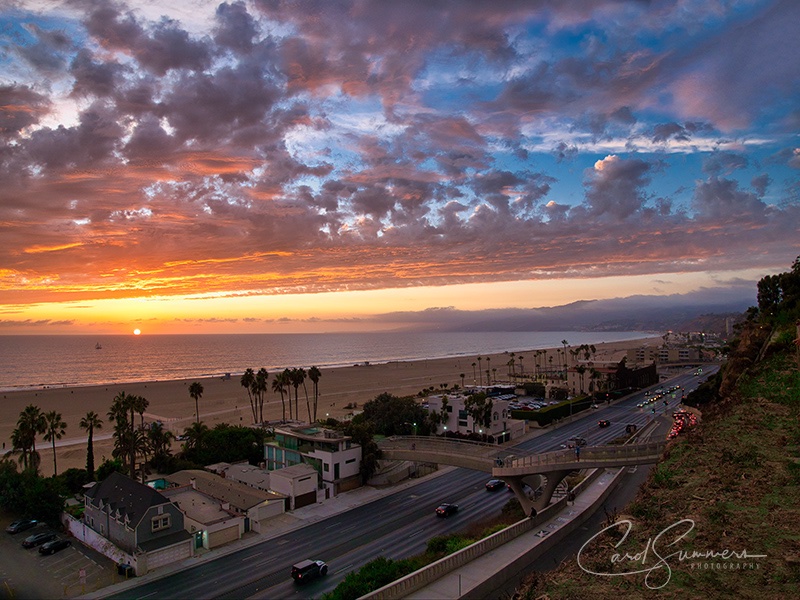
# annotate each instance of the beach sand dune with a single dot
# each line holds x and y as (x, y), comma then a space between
(226, 401)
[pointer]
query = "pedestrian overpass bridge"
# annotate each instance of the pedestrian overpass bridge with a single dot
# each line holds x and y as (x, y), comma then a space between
(513, 465)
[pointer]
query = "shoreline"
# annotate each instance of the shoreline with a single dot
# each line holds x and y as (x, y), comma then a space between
(226, 401)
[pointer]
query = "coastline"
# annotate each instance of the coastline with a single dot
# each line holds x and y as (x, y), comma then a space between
(226, 401)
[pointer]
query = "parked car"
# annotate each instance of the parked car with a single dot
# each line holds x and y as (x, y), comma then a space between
(445, 510)
(38, 538)
(54, 546)
(495, 484)
(603, 423)
(21, 525)
(306, 570)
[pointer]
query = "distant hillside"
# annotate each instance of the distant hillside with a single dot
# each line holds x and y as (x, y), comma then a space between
(638, 313)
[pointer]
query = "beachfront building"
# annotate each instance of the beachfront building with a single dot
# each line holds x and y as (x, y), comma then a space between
(454, 417)
(335, 457)
(593, 377)
(144, 527)
(255, 477)
(662, 355)
(254, 507)
(298, 483)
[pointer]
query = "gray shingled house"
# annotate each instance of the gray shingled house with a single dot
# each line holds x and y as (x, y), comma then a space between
(137, 519)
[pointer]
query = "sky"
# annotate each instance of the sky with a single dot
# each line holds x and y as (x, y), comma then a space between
(318, 165)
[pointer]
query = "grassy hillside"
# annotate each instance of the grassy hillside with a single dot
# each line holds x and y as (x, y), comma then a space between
(727, 490)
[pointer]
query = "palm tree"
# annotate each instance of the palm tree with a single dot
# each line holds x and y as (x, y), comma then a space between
(314, 374)
(90, 422)
(280, 385)
(473, 374)
(248, 377)
(118, 414)
(521, 370)
(480, 373)
(259, 388)
(461, 375)
(196, 392)
(488, 369)
(54, 430)
(160, 440)
(298, 377)
(21, 442)
(138, 404)
(31, 422)
(195, 434)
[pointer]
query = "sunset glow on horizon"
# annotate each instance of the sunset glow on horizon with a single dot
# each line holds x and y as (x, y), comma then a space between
(283, 166)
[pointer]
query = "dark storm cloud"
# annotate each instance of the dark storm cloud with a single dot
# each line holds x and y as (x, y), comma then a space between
(224, 160)
(48, 53)
(615, 188)
(21, 107)
(236, 29)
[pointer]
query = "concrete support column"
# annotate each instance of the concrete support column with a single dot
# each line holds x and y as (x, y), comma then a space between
(553, 479)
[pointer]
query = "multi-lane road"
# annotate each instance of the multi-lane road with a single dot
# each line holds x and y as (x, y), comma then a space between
(396, 526)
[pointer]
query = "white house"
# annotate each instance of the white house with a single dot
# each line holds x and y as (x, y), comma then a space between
(336, 457)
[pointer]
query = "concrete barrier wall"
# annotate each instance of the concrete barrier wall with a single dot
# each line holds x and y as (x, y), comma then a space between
(91, 538)
(419, 579)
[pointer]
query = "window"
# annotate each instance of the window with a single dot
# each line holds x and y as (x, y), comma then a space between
(159, 523)
(352, 460)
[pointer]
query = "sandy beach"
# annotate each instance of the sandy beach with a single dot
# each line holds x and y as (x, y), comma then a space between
(226, 401)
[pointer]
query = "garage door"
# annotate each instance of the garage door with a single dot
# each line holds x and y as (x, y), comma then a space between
(223, 536)
(168, 555)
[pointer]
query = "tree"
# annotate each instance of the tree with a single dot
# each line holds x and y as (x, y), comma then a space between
(480, 373)
(195, 435)
(259, 388)
(31, 423)
(55, 428)
(90, 422)
(314, 375)
(247, 380)
(160, 441)
(118, 414)
(479, 408)
(298, 377)
(281, 385)
(196, 392)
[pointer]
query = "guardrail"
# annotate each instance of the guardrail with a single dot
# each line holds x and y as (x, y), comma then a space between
(422, 577)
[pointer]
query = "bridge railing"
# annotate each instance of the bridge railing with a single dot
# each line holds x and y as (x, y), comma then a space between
(440, 445)
(591, 453)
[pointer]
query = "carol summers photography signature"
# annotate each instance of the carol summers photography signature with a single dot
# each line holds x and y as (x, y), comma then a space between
(660, 554)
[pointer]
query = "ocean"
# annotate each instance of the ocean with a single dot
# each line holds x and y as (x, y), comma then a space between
(73, 360)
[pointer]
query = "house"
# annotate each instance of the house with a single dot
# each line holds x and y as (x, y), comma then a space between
(299, 483)
(243, 472)
(255, 507)
(454, 416)
(205, 517)
(334, 456)
(138, 520)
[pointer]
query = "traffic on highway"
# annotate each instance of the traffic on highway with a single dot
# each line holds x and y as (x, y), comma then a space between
(399, 524)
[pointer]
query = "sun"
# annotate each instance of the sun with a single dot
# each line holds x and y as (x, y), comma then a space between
(137, 332)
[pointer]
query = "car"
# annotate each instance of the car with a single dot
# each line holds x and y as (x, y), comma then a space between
(38, 538)
(495, 484)
(603, 423)
(54, 546)
(575, 441)
(306, 570)
(445, 510)
(21, 525)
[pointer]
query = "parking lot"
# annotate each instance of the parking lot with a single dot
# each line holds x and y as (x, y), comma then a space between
(27, 574)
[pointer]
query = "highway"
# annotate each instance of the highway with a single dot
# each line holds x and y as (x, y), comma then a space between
(395, 526)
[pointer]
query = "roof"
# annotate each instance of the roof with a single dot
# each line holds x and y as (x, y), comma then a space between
(165, 540)
(295, 471)
(126, 496)
(239, 495)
